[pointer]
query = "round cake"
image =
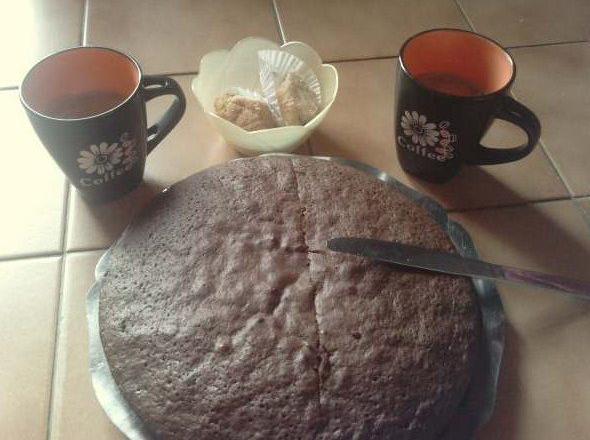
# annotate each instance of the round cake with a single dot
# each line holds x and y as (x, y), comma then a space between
(223, 315)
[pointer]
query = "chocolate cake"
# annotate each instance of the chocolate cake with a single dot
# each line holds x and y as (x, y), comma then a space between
(224, 316)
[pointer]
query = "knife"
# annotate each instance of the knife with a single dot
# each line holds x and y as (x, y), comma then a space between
(444, 262)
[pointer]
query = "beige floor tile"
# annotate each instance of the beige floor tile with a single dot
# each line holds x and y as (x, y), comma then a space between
(523, 22)
(554, 82)
(367, 135)
(31, 29)
(28, 308)
(192, 146)
(32, 187)
(551, 237)
(354, 29)
(97, 226)
(74, 407)
(173, 36)
(544, 392)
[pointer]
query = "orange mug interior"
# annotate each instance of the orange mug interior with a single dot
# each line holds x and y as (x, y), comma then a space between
(457, 62)
(80, 82)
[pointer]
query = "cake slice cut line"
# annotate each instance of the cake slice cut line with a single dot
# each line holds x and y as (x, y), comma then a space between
(332, 320)
(319, 349)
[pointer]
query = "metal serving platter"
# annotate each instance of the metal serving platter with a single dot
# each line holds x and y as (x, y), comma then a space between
(478, 403)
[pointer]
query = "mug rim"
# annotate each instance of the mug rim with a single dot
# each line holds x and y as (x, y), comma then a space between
(500, 91)
(85, 118)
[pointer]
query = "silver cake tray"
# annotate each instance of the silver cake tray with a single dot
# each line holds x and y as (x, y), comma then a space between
(478, 403)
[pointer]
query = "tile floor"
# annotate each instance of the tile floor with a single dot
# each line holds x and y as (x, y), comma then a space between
(534, 214)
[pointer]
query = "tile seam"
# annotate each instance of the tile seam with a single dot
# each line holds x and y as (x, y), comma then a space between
(58, 311)
(336, 60)
(50, 254)
(550, 44)
(81, 251)
(30, 256)
(552, 160)
(85, 23)
(464, 14)
(279, 22)
(373, 58)
(556, 167)
(583, 212)
(508, 206)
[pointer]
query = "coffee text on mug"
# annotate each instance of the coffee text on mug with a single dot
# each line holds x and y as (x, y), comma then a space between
(103, 162)
(426, 139)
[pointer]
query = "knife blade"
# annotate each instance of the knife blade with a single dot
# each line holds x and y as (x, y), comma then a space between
(444, 262)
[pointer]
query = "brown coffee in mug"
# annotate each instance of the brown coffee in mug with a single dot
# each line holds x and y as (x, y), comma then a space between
(84, 105)
(87, 105)
(451, 85)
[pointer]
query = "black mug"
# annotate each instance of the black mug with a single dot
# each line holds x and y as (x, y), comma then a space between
(87, 105)
(451, 85)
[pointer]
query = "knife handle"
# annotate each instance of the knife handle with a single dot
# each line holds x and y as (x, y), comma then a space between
(548, 281)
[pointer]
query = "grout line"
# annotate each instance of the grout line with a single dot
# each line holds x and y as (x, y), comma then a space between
(349, 60)
(385, 57)
(344, 60)
(280, 26)
(64, 231)
(33, 256)
(85, 23)
(352, 60)
(556, 43)
(80, 251)
(552, 160)
(192, 72)
(58, 306)
(510, 205)
(556, 167)
(585, 213)
(465, 16)
(30, 256)
(65, 213)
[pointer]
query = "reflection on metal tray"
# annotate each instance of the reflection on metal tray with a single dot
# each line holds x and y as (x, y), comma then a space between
(478, 403)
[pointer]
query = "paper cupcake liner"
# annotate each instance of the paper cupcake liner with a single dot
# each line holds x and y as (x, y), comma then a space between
(247, 93)
(274, 66)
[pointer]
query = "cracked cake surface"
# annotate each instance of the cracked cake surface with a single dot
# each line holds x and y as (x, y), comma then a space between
(224, 316)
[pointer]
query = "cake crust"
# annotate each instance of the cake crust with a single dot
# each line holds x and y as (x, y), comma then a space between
(224, 316)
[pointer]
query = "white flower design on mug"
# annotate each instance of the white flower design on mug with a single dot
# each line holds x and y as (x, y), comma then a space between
(416, 126)
(433, 141)
(100, 159)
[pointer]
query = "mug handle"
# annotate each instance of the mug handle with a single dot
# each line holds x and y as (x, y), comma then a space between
(512, 111)
(154, 86)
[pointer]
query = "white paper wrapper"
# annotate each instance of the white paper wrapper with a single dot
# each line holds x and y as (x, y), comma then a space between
(275, 66)
(221, 70)
(247, 93)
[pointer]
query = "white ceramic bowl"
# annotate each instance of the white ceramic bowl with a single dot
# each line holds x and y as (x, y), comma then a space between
(239, 67)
